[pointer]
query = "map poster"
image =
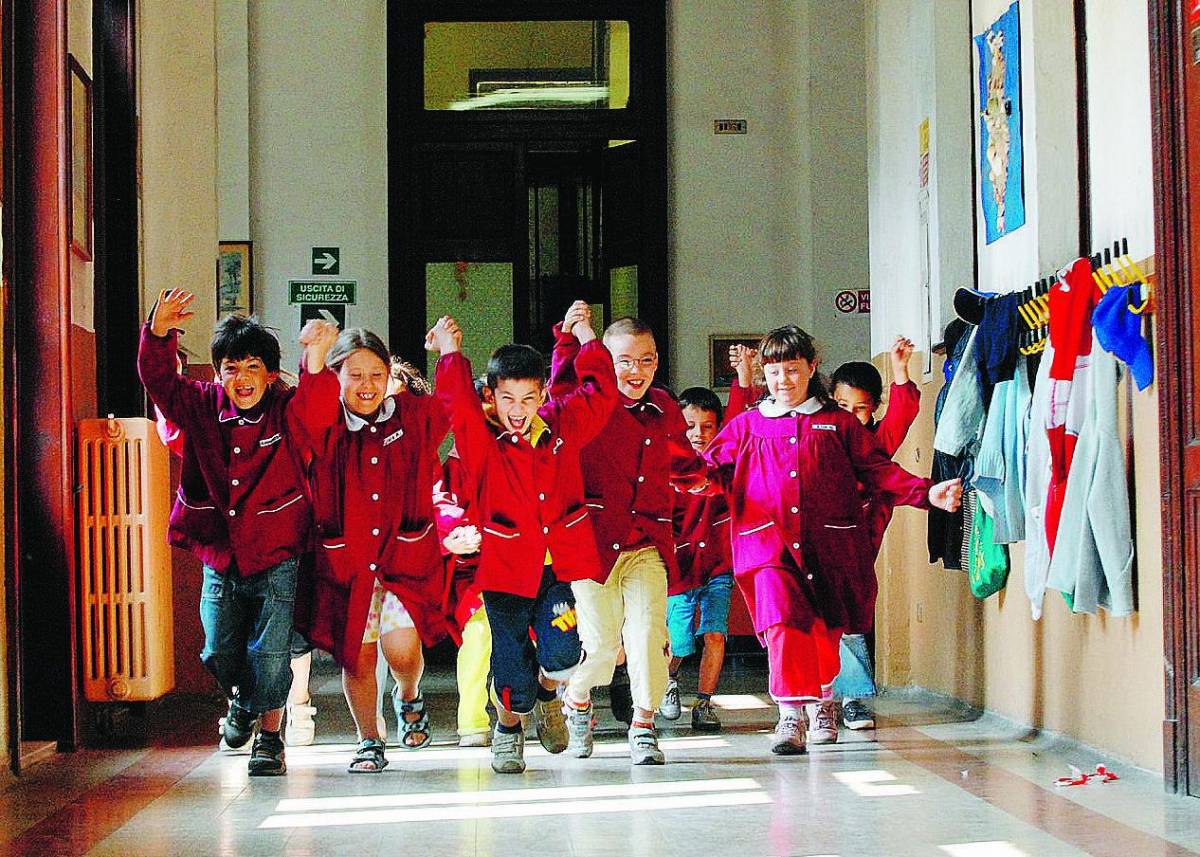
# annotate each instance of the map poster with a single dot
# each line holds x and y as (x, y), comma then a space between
(1001, 156)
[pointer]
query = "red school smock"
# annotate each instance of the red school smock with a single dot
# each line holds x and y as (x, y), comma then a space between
(454, 507)
(630, 469)
(904, 402)
(792, 480)
(530, 495)
(702, 545)
(241, 502)
(372, 486)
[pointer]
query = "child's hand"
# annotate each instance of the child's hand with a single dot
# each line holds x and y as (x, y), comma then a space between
(579, 321)
(171, 311)
(444, 337)
(902, 350)
(463, 540)
(317, 337)
(741, 361)
(947, 495)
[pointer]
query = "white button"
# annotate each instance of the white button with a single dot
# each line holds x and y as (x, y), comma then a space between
(232, 512)
(541, 496)
(795, 510)
(793, 474)
(616, 547)
(810, 577)
(373, 429)
(374, 459)
(647, 441)
(514, 438)
(545, 531)
(234, 482)
(701, 544)
(241, 422)
(375, 531)
(374, 496)
(372, 566)
(795, 545)
(237, 450)
(641, 479)
(791, 440)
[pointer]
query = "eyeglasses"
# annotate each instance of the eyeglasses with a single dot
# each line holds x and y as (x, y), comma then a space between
(627, 365)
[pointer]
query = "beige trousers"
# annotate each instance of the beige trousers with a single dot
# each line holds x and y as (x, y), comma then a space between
(630, 607)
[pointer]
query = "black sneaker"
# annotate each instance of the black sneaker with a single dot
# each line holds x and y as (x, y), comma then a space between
(856, 715)
(620, 697)
(236, 727)
(704, 719)
(267, 758)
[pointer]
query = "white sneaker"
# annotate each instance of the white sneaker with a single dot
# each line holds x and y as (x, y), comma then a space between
(508, 752)
(580, 726)
(670, 708)
(643, 747)
(788, 739)
(301, 729)
(822, 722)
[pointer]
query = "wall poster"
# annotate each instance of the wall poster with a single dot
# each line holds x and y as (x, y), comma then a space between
(1001, 161)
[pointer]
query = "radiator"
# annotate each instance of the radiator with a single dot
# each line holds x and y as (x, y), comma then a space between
(124, 561)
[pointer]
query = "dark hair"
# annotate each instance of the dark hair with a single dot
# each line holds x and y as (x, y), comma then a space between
(627, 326)
(237, 337)
(703, 399)
(861, 376)
(791, 343)
(480, 383)
(352, 339)
(410, 376)
(515, 363)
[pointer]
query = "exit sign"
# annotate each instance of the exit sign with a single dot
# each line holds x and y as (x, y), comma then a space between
(730, 126)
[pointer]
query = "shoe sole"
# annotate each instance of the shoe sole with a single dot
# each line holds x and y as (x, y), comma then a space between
(671, 717)
(788, 749)
(268, 772)
(506, 769)
(814, 739)
(861, 724)
(648, 761)
(706, 727)
(580, 754)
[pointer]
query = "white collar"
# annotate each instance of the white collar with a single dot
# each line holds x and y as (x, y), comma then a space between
(769, 408)
(356, 423)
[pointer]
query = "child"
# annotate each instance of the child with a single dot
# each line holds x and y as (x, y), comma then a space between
(521, 455)
(379, 571)
(241, 507)
(791, 470)
(705, 573)
(467, 619)
(628, 471)
(858, 388)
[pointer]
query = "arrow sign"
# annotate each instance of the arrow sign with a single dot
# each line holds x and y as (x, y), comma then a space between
(327, 260)
(329, 312)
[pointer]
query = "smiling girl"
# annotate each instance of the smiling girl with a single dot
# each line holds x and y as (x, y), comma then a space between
(379, 569)
(791, 469)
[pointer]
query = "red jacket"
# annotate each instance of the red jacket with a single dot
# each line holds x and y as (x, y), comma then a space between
(702, 546)
(904, 402)
(454, 505)
(241, 502)
(372, 488)
(531, 496)
(631, 466)
(792, 483)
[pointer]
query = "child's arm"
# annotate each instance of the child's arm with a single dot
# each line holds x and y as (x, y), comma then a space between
(904, 400)
(456, 533)
(742, 393)
(563, 377)
(176, 397)
(720, 456)
(880, 475)
(316, 404)
(454, 388)
(688, 470)
(584, 411)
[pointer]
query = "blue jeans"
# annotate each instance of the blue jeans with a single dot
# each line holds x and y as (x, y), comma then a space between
(713, 600)
(248, 634)
(857, 677)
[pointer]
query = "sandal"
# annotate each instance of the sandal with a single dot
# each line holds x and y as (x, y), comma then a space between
(414, 734)
(369, 758)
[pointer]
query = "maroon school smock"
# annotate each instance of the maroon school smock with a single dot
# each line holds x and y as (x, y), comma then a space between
(454, 506)
(372, 487)
(241, 502)
(531, 495)
(904, 402)
(702, 543)
(630, 469)
(792, 483)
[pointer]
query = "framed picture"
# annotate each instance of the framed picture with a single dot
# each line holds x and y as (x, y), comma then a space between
(235, 278)
(720, 375)
(79, 162)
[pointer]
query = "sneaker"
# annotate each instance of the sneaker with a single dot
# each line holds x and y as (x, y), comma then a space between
(670, 708)
(508, 752)
(704, 719)
(301, 729)
(620, 697)
(643, 747)
(267, 757)
(236, 728)
(822, 722)
(856, 715)
(475, 739)
(551, 724)
(580, 726)
(788, 739)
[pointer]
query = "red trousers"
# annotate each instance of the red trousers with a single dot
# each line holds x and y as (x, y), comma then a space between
(803, 664)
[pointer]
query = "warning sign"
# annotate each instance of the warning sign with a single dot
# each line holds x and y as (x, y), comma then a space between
(850, 302)
(321, 291)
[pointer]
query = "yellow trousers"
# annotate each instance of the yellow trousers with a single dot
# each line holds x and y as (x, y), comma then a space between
(474, 661)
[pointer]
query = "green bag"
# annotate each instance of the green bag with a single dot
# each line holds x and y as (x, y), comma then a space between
(987, 567)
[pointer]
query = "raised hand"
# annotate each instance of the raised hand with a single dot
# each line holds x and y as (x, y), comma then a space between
(171, 311)
(947, 495)
(463, 540)
(579, 320)
(317, 337)
(741, 361)
(444, 337)
(900, 353)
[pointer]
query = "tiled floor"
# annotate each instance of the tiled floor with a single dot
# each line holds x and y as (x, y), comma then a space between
(957, 786)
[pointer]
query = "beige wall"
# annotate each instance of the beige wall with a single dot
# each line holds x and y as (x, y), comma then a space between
(1096, 678)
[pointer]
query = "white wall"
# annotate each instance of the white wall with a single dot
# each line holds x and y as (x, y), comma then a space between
(318, 152)
(233, 120)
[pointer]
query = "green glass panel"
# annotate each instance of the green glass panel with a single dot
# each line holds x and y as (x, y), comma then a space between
(623, 291)
(480, 297)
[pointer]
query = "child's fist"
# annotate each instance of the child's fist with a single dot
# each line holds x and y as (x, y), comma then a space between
(578, 313)
(741, 361)
(171, 311)
(319, 334)
(900, 353)
(947, 495)
(445, 336)
(463, 540)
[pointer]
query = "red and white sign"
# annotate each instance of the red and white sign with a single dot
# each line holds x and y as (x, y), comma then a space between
(850, 302)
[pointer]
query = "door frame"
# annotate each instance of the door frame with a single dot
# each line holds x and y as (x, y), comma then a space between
(411, 127)
(1174, 343)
